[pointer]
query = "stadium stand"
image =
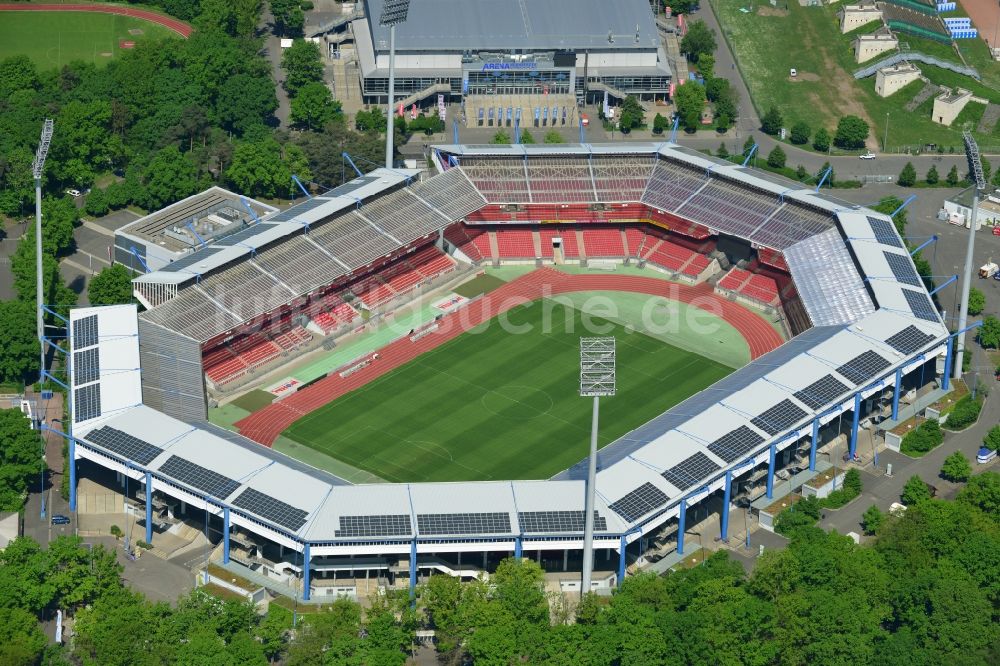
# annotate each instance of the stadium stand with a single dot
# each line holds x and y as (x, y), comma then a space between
(759, 288)
(603, 242)
(515, 243)
(560, 179)
(635, 239)
(472, 241)
(772, 258)
(914, 19)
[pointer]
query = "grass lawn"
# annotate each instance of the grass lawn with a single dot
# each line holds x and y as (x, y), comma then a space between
(478, 286)
(496, 405)
(254, 400)
(53, 39)
(825, 88)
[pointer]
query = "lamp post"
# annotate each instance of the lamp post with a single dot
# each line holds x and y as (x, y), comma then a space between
(597, 378)
(885, 140)
(36, 171)
(979, 185)
(393, 13)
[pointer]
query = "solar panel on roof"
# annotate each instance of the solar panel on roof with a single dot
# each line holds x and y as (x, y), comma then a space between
(909, 340)
(271, 509)
(902, 269)
(190, 260)
(920, 305)
(130, 447)
(884, 232)
(689, 472)
(639, 502)
(821, 392)
(558, 521)
(85, 332)
(200, 478)
(374, 526)
(298, 209)
(735, 444)
(87, 402)
(463, 523)
(242, 235)
(863, 367)
(783, 415)
(86, 366)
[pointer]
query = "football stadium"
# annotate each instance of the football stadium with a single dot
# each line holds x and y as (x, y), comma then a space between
(400, 360)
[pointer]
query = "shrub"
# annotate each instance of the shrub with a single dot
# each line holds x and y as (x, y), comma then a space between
(799, 133)
(97, 203)
(977, 301)
(771, 122)
(932, 176)
(776, 158)
(922, 439)
(872, 519)
(850, 489)
(956, 467)
(908, 176)
(915, 491)
(992, 439)
(964, 413)
(116, 531)
(660, 123)
(821, 140)
(803, 514)
(142, 544)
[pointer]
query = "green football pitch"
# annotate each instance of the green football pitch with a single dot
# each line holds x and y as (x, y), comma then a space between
(53, 39)
(496, 404)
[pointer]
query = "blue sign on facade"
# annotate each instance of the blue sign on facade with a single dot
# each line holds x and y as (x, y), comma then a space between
(497, 66)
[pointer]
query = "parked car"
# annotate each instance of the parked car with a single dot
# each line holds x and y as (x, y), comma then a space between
(59, 519)
(73, 193)
(868, 156)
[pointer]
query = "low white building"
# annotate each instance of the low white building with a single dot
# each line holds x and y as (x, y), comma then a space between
(989, 207)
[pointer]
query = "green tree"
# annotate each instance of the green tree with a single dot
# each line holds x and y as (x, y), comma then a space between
(97, 202)
(799, 134)
(772, 121)
(288, 17)
(689, 100)
(989, 332)
(553, 136)
(440, 597)
(302, 64)
(246, 101)
(372, 120)
(265, 169)
(113, 285)
(722, 151)
(16, 182)
(500, 138)
(59, 217)
(22, 265)
(952, 178)
(527, 137)
(983, 492)
(932, 177)
(801, 173)
(169, 177)
(84, 144)
(706, 66)
(313, 107)
(748, 145)
(699, 39)
(660, 123)
(987, 170)
(776, 158)
(19, 351)
(331, 636)
(872, 519)
(821, 140)
(956, 467)
(21, 639)
(20, 458)
(977, 301)
(238, 18)
(996, 179)
(632, 114)
(17, 73)
(915, 490)
(908, 176)
(852, 132)
(992, 438)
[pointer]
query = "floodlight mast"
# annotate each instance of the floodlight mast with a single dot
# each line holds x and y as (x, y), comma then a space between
(597, 378)
(979, 186)
(37, 167)
(393, 13)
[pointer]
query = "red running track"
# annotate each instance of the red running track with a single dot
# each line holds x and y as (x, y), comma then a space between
(180, 27)
(265, 425)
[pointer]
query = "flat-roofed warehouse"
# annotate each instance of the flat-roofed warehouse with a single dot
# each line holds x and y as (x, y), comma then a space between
(536, 57)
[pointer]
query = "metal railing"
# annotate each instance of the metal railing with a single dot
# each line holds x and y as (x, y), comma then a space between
(902, 56)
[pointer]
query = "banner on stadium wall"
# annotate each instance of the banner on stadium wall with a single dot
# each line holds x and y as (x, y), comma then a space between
(285, 387)
(401, 112)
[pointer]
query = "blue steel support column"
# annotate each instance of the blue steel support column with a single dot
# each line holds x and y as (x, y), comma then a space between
(680, 527)
(770, 471)
(517, 547)
(854, 426)
(724, 532)
(306, 584)
(72, 474)
(149, 508)
(945, 380)
(621, 562)
(413, 569)
(895, 394)
(812, 446)
(225, 535)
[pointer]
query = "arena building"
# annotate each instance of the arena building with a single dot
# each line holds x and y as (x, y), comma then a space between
(865, 334)
(503, 60)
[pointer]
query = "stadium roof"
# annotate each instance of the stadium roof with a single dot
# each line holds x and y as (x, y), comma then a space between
(505, 25)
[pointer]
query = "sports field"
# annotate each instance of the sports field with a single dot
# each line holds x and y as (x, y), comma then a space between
(497, 404)
(53, 39)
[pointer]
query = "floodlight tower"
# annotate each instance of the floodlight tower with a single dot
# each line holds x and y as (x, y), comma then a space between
(597, 378)
(393, 13)
(979, 185)
(36, 170)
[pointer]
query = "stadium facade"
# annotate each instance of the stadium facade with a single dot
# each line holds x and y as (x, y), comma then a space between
(519, 55)
(140, 389)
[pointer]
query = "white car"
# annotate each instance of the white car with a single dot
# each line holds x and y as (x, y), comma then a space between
(73, 193)
(868, 156)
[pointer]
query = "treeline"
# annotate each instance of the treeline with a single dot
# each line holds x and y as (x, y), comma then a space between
(926, 591)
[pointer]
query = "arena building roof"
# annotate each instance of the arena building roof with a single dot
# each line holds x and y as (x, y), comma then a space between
(873, 321)
(505, 25)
